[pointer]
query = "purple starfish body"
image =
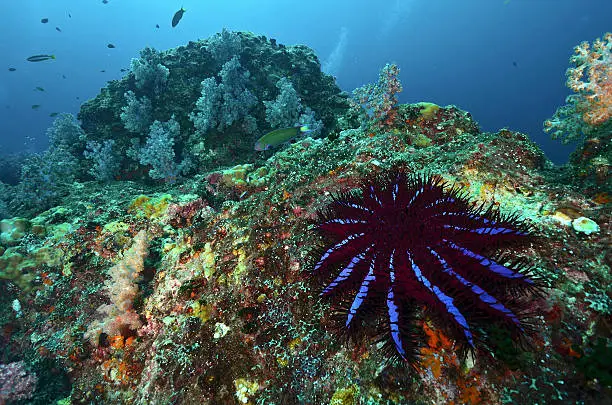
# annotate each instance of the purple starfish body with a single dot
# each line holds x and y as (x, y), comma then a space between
(401, 244)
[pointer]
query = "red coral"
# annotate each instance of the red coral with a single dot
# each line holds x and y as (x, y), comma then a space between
(180, 216)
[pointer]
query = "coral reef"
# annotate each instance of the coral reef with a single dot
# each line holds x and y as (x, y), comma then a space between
(217, 90)
(587, 116)
(209, 274)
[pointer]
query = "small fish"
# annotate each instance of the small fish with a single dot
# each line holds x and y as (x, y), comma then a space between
(39, 88)
(69, 15)
(12, 69)
(123, 70)
(53, 114)
(58, 29)
(279, 136)
(44, 20)
(63, 76)
(40, 58)
(102, 71)
(177, 17)
(104, 1)
(156, 25)
(514, 64)
(111, 46)
(35, 106)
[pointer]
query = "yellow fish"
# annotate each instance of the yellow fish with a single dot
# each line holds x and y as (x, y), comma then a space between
(279, 136)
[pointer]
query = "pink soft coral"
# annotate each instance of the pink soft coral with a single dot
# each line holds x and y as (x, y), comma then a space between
(122, 287)
(591, 78)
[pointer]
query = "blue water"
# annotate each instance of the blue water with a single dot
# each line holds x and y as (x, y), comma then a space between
(502, 60)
